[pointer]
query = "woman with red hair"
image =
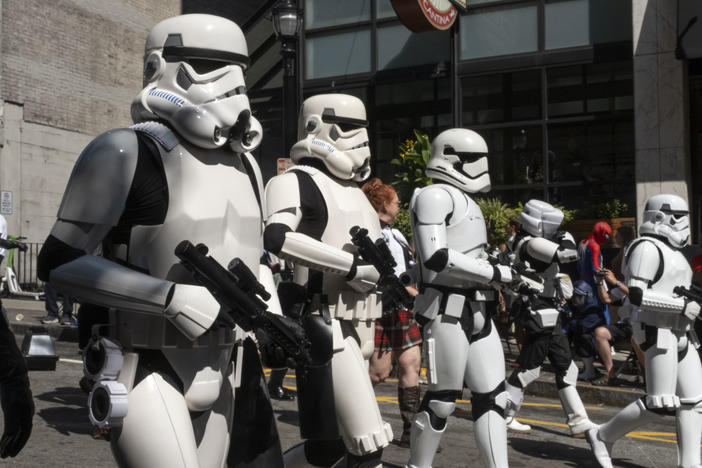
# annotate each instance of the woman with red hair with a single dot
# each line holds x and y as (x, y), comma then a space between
(397, 335)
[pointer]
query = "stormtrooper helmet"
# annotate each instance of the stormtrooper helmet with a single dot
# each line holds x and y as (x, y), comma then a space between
(540, 219)
(194, 79)
(667, 216)
(333, 129)
(459, 157)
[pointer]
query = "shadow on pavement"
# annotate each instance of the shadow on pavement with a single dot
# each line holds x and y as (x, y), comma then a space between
(568, 455)
(71, 417)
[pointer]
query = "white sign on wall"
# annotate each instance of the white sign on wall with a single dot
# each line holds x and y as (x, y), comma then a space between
(6, 202)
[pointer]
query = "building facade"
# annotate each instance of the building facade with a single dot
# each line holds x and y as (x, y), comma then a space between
(580, 101)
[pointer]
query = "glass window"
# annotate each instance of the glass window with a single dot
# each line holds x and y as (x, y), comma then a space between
(612, 21)
(516, 158)
(337, 54)
(323, 13)
(610, 87)
(384, 9)
(566, 91)
(499, 32)
(567, 24)
(503, 97)
(600, 155)
(399, 47)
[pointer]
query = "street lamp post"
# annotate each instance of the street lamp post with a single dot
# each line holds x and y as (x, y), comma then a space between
(287, 19)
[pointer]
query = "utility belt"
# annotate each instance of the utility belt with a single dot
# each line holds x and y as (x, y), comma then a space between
(545, 318)
(142, 331)
(437, 300)
(352, 305)
(671, 321)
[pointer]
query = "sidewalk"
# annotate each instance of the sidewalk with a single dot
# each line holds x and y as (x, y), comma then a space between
(26, 313)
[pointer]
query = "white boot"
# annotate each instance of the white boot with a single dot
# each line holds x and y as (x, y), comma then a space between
(601, 449)
(424, 441)
(689, 427)
(491, 438)
(514, 403)
(516, 427)
(574, 409)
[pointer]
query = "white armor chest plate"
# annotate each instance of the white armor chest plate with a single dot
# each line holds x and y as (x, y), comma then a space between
(347, 206)
(210, 201)
(465, 229)
(465, 233)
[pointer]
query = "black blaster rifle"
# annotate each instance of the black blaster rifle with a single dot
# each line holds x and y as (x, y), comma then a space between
(524, 282)
(378, 255)
(235, 289)
(694, 293)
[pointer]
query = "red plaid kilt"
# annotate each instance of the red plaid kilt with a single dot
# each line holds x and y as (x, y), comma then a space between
(397, 331)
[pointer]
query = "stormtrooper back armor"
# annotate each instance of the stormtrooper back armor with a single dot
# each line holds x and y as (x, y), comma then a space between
(333, 130)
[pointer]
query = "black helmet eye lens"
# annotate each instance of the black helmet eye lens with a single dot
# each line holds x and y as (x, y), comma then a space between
(203, 66)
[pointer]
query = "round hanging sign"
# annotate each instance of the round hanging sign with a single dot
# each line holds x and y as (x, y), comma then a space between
(425, 15)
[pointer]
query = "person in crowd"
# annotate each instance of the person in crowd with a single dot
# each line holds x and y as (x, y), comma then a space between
(587, 316)
(15, 393)
(457, 301)
(310, 210)
(183, 171)
(540, 251)
(661, 319)
(590, 256)
(614, 292)
(397, 335)
(51, 305)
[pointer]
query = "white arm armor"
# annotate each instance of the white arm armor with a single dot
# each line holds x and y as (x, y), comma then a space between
(475, 269)
(192, 309)
(542, 249)
(431, 207)
(656, 301)
(283, 207)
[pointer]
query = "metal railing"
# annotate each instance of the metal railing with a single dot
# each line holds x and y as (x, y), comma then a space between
(24, 265)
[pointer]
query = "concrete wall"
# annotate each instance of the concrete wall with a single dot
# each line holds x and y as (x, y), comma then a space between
(661, 133)
(69, 71)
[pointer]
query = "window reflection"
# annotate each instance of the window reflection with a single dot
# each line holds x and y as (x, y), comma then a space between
(323, 13)
(337, 54)
(499, 32)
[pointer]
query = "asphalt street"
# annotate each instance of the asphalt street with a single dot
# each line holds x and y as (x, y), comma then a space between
(62, 434)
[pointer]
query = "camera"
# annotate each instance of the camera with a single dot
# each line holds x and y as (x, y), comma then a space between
(601, 273)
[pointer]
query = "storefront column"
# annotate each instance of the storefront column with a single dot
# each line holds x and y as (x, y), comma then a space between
(660, 110)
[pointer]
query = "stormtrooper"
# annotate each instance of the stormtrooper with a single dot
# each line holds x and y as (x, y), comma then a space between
(456, 300)
(163, 366)
(662, 321)
(310, 210)
(540, 250)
